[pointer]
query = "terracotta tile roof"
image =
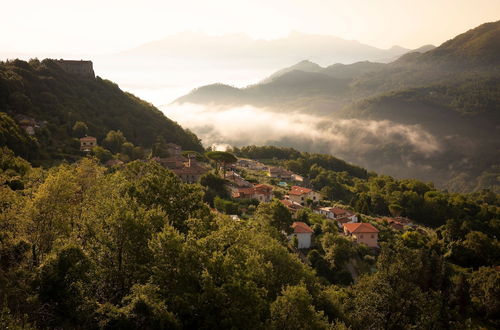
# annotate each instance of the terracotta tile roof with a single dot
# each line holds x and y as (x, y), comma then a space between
(263, 189)
(296, 190)
(260, 189)
(339, 211)
(88, 138)
(360, 227)
(291, 204)
(301, 227)
(343, 220)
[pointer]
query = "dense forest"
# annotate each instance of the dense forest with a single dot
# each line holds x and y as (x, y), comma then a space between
(86, 247)
(57, 101)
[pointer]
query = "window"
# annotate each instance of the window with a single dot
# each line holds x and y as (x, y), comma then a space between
(373, 236)
(361, 236)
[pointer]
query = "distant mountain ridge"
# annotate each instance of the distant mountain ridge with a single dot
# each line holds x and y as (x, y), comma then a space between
(240, 47)
(470, 53)
(451, 92)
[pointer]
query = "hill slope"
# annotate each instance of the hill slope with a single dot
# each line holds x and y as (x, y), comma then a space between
(474, 52)
(57, 99)
(450, 92)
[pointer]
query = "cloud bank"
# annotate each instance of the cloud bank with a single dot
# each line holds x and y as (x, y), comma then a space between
(353, 138)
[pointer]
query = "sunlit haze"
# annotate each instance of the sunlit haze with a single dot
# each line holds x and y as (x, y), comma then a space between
(110, 26)
(104, 31)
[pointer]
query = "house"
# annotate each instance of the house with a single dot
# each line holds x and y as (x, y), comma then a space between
(280, 173)
(298, 178)
(237, 179)
(114, 162)
(398, 223)
(301, 195)
(234, 217)
(292, 206)
(342, 216)
(251, 164)
(28, 124)
(186, 168)
(87, 143)
(303, 233)
(261, 192)
(362, 232)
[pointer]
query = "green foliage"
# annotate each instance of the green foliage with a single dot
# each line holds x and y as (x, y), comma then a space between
(215, 186)
(14, 138)
(160, 148)
(134, 247)
(114, 141)
(102, 154)
(225, 206)
(58, 100)
(275, 215)
(485, 292)
(80, 129)
(293, 309)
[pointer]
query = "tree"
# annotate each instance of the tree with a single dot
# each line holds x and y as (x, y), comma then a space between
(137, 153)
(114, 141)
(80, 129)
(485, 292)
(294, 309)
(61, 285)
(395, 210)
(128, 149)
(276, 215)
(102, 154)
(160, 148)
(221, 158)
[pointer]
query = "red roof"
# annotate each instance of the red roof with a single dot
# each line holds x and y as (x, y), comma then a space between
(262, 188)
(296, 190)
(291, 204)
(88, 138)
(360, 227)
(343, 220)
(339, 211)
(301, 227)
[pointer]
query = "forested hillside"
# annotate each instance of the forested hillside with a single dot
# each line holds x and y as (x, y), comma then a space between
(57, 100)
(85, 247)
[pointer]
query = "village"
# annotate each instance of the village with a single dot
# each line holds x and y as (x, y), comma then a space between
(250, 182)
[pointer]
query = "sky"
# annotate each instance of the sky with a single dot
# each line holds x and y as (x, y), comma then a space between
(109, 26)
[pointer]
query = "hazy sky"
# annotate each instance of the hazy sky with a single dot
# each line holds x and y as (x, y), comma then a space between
(107, 26)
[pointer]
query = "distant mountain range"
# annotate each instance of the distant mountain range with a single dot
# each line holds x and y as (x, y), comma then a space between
(241, 48)
(451, 91)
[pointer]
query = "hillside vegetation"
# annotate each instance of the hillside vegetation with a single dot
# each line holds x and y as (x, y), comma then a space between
(87, 247)
(57, 100)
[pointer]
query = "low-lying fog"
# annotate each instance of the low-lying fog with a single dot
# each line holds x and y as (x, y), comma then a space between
(378, 145)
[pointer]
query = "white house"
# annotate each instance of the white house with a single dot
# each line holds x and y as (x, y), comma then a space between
(303, 233)
(336, 213)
